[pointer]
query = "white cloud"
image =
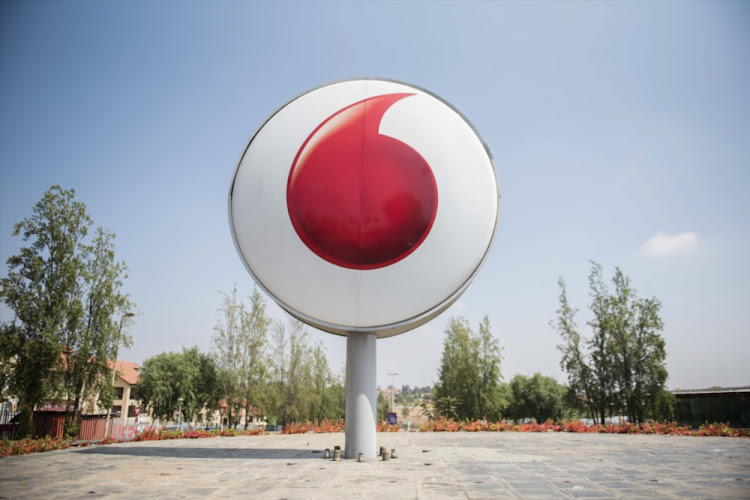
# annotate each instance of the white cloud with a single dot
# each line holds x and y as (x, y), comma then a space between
(666, 245)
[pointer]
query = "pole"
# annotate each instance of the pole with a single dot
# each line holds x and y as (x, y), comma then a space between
(361, 404)
(393, 391)
(179, 415)
(114, 365)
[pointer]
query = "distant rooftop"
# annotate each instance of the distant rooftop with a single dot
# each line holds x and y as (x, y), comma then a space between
(713, 390)
(127, 371)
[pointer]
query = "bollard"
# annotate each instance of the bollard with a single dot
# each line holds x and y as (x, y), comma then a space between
(393, 453)
(327, 453)
(337, 447)
(382, 450)
(337, 455)
(361, 457)
(386, 456)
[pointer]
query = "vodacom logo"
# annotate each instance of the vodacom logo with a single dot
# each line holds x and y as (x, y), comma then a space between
(357, 198)
(364, 205)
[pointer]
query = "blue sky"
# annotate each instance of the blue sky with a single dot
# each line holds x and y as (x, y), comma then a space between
(620, 132)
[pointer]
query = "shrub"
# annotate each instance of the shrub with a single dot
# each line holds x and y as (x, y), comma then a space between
(254, 432)
(31, 445)
(329, 426)
(295, 428)
(653, 427)
(384, 426)
(717, 429)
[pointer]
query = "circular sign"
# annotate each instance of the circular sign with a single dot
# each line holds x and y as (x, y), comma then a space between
(364, 205)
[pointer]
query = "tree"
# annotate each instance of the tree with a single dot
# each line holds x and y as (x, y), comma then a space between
(64, 294)
(469, 373)
(382, 407)
(239, 345)
(169, 376)
(601, 349)
(489, 401)
(327, 395)
(573, 362)
(406, 410)
(539, 397)
(96, 339)
(447, 407)
(227, 348)
(252, 338)
(622, 368)
(302, 386)
(292, 371)
(426, 409)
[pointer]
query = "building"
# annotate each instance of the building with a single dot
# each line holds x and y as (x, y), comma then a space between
(718, 404)
(214, 418)
(126, 397)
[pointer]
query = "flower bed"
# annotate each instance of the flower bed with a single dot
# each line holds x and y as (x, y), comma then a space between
(386, 427)
(30, 445)
(666, 428)
(328, 426)
(324, 426)
(154, 434)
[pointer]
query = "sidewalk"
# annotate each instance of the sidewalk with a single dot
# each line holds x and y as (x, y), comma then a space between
(494, 465)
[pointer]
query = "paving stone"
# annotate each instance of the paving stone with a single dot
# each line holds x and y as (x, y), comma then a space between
(589, 493)
(461, 465)
(494, 494)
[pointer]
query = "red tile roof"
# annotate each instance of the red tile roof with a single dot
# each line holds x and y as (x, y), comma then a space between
(127, 371)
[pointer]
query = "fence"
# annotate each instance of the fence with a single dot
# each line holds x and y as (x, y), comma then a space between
(7, 426)
(51, 423)
(93, 427)
(122, 429)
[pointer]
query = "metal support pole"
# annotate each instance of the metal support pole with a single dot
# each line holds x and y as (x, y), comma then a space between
(393, 390)
(114, 365)
(361, 403)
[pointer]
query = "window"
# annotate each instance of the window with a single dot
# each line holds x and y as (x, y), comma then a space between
(118, 392)
(116, 410)
(131, 411)
(133, 394)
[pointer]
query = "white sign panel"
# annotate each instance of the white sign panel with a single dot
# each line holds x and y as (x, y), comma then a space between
(364, 205)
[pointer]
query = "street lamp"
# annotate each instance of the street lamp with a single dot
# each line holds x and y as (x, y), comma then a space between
(114, 365)
(393, 391)
(179, 413)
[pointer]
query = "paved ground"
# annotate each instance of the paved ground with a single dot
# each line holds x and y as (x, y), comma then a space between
(430, 465)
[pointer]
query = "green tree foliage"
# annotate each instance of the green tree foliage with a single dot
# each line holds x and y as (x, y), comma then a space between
(539, 397)
(382, 407)
(256, 365)
(488, 400)
(447, 407)
(169, 376)
(327, 394)
(622, 368)
(239, 344)
(302, 386)
(65, 295)
(469, 371)
(426, 409)
(99, 333)
(411, 396)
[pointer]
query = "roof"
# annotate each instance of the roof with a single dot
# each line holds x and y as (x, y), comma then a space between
(712, 390)
(127, 371)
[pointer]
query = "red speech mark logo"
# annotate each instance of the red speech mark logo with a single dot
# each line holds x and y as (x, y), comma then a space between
(356, 198)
